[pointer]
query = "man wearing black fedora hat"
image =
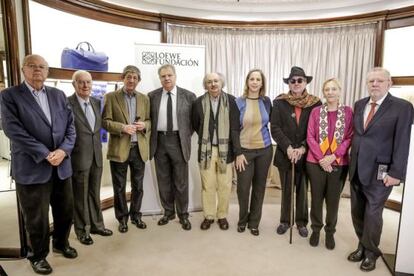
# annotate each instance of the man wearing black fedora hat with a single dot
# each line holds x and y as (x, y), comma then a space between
(289, 124)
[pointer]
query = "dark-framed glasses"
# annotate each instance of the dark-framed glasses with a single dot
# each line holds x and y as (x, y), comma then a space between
(293, 81)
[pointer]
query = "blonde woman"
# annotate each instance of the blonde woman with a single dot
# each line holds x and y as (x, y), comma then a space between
(254, 153)
(329, 138)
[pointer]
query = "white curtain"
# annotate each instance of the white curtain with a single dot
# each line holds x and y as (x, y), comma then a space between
(345, 52)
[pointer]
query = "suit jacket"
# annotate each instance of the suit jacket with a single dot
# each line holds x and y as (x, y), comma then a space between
(33, 137)
(115, 116)
(385, 140)
(286, 131)
(185, 100)
(88, 147)
(198, 122)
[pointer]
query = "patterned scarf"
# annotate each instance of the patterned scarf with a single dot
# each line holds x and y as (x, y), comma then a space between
(323, 129)
(302, 101)
(223, 132)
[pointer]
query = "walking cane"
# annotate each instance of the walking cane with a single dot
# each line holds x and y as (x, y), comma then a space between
(292, 201)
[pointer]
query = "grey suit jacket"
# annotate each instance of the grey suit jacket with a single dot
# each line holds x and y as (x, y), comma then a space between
(385, 140)
(88, 145)
(185, 100)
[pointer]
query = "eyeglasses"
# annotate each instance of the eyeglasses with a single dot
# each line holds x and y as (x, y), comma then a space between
(34, 66)
(293, 81)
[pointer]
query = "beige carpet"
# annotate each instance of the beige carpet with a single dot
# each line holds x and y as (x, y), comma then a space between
(169, 250)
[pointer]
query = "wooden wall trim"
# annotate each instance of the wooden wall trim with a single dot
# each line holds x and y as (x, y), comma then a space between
(406, 80)
(393, 205)
(12, 44)
(26, 28)
(379, 43)
(66, 74)
(106, 12)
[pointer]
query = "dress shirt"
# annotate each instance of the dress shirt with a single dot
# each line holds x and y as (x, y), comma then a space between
(368, 106)
(131, 103)
(88, 108)
(41, 98)
(162, 112)
(214, 106)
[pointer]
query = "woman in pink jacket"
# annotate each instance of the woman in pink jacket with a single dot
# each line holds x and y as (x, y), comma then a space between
(329, 138)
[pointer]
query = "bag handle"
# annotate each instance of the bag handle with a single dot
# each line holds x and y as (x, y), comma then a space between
(90, 47)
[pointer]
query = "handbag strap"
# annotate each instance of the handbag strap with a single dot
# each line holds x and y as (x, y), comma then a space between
(90, 47)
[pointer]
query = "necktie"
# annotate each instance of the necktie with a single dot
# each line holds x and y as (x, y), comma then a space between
(169, 113)
(370, 115)
(89, 116)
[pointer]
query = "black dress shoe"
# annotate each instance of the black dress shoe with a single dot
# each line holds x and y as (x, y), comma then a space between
(282, 228)
(103, 232)
(254, 231)
(314, 239)
(139, 223)
(185, 224)
(85, 239)
(357, 255)
(123, 227)
(67, 252)
(241, 228)
(303, 231)
(223, 223)
(368, 264)
(41, 267)
(165, 219)
(206, 224)
(329, 241)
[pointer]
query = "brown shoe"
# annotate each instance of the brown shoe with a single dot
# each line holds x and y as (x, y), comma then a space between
(206, 224)
(223, 223)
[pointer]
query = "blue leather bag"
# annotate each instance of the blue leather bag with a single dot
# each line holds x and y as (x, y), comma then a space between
(82, 58)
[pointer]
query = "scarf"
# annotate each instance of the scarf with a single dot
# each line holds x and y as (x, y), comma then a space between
(302, 101)
(223, 132)
(324, 144)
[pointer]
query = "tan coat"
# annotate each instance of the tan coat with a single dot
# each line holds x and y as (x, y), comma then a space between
(115, 116)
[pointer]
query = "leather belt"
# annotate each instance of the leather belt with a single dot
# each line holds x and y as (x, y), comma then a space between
(168, 133)
(133, 144)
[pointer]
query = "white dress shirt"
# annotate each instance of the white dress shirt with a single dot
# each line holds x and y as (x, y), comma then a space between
(162, 112)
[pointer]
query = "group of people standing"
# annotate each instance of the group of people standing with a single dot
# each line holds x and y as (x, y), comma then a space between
(57, 154)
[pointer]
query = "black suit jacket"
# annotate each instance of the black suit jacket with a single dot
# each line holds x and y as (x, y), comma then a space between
(385, 140)
(185, 100)
(286, 132)
(88, 147)
(198, 122)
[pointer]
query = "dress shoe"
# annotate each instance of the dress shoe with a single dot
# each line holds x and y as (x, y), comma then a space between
(67, 252)
(254, 231)
(223, 223)
(185, 224)
(303, 232)
(123, 227)
(85, 239)
(329, 241)
(241, 228)
(165, 219)
(206, 224)
(102, 232)
(139, 223)
(41, 267)
(282, 228)
(368, 264)
(314, 239)
(357, 255)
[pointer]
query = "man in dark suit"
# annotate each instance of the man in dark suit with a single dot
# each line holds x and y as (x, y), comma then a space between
(289, 123)
(379, 153)
(126, 116)
(215, 118)
(39, 123)
(87, 160)
(171, 144)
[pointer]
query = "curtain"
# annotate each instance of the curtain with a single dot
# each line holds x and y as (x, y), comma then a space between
(344, 51)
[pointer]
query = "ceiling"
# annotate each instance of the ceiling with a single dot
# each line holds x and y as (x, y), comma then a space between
(257, 10)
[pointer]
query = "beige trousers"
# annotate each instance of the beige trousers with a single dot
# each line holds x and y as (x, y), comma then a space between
(216, 188)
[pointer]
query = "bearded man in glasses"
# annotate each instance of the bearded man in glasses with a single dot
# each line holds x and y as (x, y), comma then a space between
(289, 123)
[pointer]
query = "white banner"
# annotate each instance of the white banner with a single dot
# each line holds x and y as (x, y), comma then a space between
(189, 62)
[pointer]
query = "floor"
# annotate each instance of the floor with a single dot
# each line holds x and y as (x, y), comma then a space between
(169, 250)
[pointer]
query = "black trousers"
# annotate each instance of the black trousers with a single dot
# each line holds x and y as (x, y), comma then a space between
(325, 187)
(34, 201)
(367, 205)
(119, 172)
(86, 186)
(301, 186)
(172, 175)
(253, 178)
